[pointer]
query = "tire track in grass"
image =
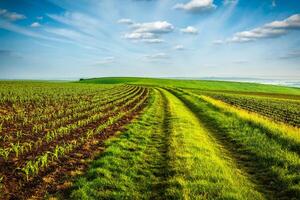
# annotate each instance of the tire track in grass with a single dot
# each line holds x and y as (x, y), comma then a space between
(274, 168)
(133, 164)
(198, 167)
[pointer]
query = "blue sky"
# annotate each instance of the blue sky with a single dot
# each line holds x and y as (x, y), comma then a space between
(59, 39)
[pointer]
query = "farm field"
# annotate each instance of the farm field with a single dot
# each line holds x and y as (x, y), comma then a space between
(140, 138)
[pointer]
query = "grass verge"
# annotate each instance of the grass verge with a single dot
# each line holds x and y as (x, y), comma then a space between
(198, 167)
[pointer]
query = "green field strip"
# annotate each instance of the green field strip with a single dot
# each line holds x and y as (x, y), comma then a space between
(131, 166)
(196, 84)
(199, 168)
(271, 164)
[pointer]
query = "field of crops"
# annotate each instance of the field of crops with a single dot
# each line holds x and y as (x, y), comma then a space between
(186, 140)
(42, 125)
(285, 110)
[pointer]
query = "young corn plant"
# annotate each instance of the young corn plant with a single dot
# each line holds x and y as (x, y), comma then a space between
(30, 169)
(4, 153)
(26, 171)
(43, 160)
(16, 148)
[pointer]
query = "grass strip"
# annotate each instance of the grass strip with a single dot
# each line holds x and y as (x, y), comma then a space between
(198, 166)
(131, 165)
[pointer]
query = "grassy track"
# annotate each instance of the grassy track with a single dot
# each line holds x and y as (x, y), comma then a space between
(272, 164)
(199, 168)
(166, 154)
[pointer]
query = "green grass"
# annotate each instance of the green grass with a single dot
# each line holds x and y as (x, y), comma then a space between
(270, 162)
(199, 167)
(132, 164)
(197, 84)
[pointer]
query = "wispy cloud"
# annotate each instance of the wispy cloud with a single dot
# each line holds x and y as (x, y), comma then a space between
(35, 25)
(228, 2)
(157, 56)
(20, 30)
(179, 47)
(69, 34)
(190, 30)
(105, 61)
(11, 16)
(125, 21)
(270, 30)
(153, 40)
(196, 5)
(80, 21)
(291, 55)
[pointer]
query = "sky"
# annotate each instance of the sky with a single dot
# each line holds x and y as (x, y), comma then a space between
(65, 39)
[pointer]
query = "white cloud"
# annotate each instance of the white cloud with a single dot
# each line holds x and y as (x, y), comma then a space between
(179, 47)
(11, 16)
(292, 22)
(35, 25)
(125, 21)
(138, 36)
(228, 2)
(149, 32)
(196, 5)
(157, 56)
(189, 30)
(273, 29)
(154, 40)
(153, 27)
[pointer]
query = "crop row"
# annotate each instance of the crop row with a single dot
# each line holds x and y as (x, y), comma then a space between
(37, 140)
(47, 112)
(32, 167)
(78, 113)
(282, 110)
(40, 149)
